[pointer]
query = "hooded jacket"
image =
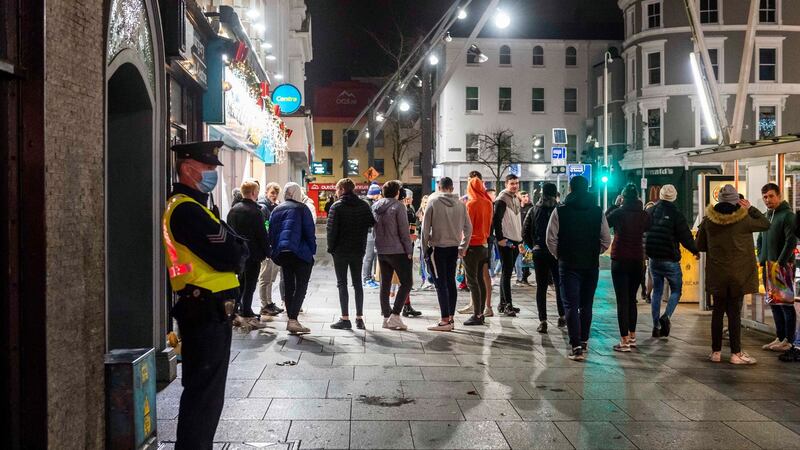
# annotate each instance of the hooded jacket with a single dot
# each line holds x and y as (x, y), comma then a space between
(534, 229)
(349, 221)
(668, 228)
(391, 228)
(479, 210)
(291, 230)
(445, 222)
(578, 232)
(247, 221)
(778, 243)
(506, 222)
(726, 235)
(629, 222)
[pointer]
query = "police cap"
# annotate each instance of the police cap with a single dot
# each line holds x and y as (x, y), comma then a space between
(204, 151)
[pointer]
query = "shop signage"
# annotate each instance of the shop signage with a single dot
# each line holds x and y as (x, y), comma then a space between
(558, 156)
(288, 97)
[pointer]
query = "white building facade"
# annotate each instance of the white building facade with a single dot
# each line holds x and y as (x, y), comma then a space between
(527, 86)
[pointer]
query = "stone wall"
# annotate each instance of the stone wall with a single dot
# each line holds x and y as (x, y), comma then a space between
(74, 164)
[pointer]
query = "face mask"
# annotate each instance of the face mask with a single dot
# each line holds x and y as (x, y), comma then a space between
(208, 182)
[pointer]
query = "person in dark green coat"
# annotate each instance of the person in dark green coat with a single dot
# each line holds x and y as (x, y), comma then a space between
(777, 245)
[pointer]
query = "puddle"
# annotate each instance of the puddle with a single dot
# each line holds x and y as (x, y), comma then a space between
(380, 401)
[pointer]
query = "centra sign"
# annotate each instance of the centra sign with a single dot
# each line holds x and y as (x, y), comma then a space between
(288, 97)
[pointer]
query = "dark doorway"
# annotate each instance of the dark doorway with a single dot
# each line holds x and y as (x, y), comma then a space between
(129, 211)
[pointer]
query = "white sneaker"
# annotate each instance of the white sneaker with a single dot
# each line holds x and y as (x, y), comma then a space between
(466, 310)
(441, 327)
(742, 358)
(769, 346)
(394, 322)
(782, 346)
(715, 357)
(295, 327)
(385, 322)
(488, 312)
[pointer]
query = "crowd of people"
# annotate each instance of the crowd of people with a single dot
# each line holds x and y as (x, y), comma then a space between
(376, 240)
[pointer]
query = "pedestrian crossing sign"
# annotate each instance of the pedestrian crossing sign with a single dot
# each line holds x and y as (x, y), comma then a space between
(371, 174)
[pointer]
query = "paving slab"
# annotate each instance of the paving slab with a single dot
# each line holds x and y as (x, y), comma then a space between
(496, 410)
(767, 435)
(595, 435)
(778, 410)
(245, 408)
(386, 408)
(331, 434)
(391, 373)
(439, 389)
(614, 391)
(308, 409)
(266, 431)
(715, 410)
(458, 435)
(500, 390)
(649, 410)
(534, 435)
(369, 435)
(364, 388)
(564, 410)
(289, 388)
(684, 436)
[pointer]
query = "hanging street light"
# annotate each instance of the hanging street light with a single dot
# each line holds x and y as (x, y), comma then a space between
(501, 19)
(404, 105)
(462, 14)
(703, 96)
(433, 59)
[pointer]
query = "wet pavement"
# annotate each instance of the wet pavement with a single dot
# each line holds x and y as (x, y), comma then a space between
(494, 387)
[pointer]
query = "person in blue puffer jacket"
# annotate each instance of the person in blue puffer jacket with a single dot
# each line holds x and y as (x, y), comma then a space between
(291, 230)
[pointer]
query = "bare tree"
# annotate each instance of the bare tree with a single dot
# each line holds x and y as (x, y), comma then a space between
(497, 151)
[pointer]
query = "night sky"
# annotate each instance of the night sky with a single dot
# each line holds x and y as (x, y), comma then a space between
(343, 47)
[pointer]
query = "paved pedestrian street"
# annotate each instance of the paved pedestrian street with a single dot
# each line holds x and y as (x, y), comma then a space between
(495, 387)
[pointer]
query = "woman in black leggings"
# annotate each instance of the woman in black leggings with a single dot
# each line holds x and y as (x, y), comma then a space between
(629, 222)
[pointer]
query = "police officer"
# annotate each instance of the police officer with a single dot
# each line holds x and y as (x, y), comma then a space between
(203, 257)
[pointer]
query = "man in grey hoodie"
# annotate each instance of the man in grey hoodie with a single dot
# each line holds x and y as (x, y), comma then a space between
(507, 226)
(395, 252)
(446, 230)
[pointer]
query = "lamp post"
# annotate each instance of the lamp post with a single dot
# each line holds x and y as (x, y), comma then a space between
(606, 60)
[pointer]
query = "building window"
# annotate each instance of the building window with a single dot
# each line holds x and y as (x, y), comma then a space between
(705, 137)
(326, 167)
(713, 55)
(768, 11)
(630, 22)
(327, 138)
(572, 147)
(652, 14)
(767, 64)
(379, 166)
(632, 77)
(654, 68)
(416, 170)
(767, 122)
(537, 146)
(380, 140)
(505, 99)
(571, 57)
(352, 136)
(352, 167)
(472, 98)
(472, 147)
(505, 55)
(709, 11)
(601, 91)
(654, 127)
(538, 56)
(537, 100)
(570, 100)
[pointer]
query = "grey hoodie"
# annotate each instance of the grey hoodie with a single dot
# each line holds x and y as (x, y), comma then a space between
(391, 228)
(445, 222)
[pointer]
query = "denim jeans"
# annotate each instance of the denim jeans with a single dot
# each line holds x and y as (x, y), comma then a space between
(577, 294)
(507, 257)
(444, 275)
(671, 271)
(545, 266)
(341, 264)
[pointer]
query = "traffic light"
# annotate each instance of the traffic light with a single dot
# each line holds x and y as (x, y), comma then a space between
(604, 174)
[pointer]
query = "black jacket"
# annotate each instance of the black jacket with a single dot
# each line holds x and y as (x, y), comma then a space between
(349, 221)
(523, 214)
(579, 231)
(534, 228)
(247, 220)
(629, 222)
(668, 229)
(266, 206)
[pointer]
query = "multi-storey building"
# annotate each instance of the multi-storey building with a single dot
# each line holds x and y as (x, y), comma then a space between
(526, 86)
(662, 112)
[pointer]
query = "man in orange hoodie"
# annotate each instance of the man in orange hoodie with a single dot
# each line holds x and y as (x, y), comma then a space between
(479, 210)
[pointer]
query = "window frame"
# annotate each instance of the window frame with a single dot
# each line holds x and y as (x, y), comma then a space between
(646, 140)
(476, 99)
(565, 100)
(534, 55)
(382, 164)
(646, 15)
(777, 11)
(380, 139)
(501, 99)
(567, 56)
(468, 150)
(649, 48)
(533, 99)
(777, 65)
(767, 100)
(356, 171)
(322, 138)
(501, 55)
(757, 128)
(352, 138)
(630, 22)
(541, 148)
(330, 172)
(717, 43)
(718, 12)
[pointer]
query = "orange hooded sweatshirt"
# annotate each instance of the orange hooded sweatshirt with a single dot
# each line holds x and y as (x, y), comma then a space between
(479, 210)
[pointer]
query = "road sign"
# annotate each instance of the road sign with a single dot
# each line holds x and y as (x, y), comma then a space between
(558, 169)
(644, 183)
(580, 170)
(558, 156)
(559, 136)
(371, 174)
(515, 169)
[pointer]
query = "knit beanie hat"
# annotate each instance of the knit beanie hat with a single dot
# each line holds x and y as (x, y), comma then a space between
(668, 193)
(630, 192)
(549, 190)
(374, 189)
(728, 194)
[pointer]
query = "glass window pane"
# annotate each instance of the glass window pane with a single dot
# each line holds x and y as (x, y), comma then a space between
(572, 56)
(327, 138)
(654, 127)
(505, 55)
(352, 167)
(505, 99)
(538, 56)
(537, 104)
(379, 166)
(767, 122)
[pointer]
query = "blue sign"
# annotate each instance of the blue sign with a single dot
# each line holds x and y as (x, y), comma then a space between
(580, 170)
(288, 97)
(558, 153)
(515, 169)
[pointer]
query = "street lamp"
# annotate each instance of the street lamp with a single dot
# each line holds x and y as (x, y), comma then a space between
(462, 14)
(404, 105)
(607, 59)
(501, 19)
(433, 59)
(701, 93)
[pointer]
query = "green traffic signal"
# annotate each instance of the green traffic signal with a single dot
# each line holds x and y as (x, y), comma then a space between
(604, 179)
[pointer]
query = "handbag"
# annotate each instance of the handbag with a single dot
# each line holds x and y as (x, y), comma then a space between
(779, 283)
(527, 259)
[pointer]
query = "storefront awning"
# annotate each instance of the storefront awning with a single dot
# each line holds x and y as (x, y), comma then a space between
(747, 150)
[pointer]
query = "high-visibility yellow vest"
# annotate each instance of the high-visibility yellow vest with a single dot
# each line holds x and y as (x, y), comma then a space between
(183, 265)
